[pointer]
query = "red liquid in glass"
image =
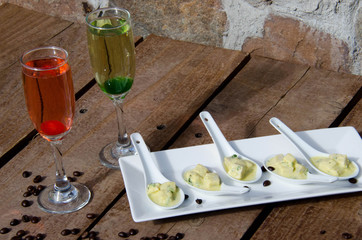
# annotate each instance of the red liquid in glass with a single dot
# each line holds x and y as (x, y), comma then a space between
(49, 96)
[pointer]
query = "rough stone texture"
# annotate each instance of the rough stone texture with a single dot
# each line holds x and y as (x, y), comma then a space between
(189, 20)
(322, 33)
(289, 40)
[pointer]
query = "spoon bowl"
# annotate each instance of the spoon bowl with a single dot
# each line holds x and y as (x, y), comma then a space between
(151, 172)
(224, 148)
(311, 178)
(225, 189)
(305, 149)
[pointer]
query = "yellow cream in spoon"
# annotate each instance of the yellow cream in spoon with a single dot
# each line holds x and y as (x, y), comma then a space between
(337, 165)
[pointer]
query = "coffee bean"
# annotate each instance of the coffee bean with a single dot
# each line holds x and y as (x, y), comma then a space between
(16, 238)
(198, 135)
(83, 110)
(123, 234)
(92, 234)
(180, 235)
(37, 179)
(186, 196)
(27, 194)
(40, 188)
(29, 237)
(14, 222)
(144, 238)
(65, 232)
(36, 192)
(35, 219)
(30, 188)
(162, 236)
(4, 230)
(93, 238)
(172, 238)
(71, 179)
(25, 203)
(352, 180)
(347, 235)
(133, 231)
(271, 168)
(91, 215)
(25, 218)
(40, 236)
(77, 174)
(20, 233)
(263, 169)
(75, 231)
(266, 183)
(26, 174)
(155, 238)
(198, 201)
(84, 235)
(322, 232)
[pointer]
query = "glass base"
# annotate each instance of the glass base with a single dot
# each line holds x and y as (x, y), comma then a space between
(72, 200)
(110, 154)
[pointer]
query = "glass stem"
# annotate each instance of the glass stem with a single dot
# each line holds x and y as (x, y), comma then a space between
(61, 180)
(123, 139)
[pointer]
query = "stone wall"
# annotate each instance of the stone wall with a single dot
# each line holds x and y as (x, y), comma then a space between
(322, 33)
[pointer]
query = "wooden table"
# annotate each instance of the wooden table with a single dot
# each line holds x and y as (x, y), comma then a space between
(174, 81)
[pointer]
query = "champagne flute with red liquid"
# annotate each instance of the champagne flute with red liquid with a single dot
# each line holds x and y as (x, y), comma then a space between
(49, 95)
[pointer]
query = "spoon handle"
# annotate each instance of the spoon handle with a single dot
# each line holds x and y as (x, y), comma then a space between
(227, 189)
(307, 150)
(146, 159)
(219, 139)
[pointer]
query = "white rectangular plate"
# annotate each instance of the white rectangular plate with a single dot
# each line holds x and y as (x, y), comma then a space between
(345, 140)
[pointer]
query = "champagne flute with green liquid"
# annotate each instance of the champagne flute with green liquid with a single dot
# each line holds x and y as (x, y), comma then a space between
(112, 55)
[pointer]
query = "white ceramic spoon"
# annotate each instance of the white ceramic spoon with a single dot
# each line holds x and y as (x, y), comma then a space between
(305, 149)
(311, 178)
(224, 188)
(224, 148)
(151, 173)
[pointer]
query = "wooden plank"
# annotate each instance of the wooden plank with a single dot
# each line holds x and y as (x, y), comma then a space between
(159, 61)
(22, 30)
(260, 79)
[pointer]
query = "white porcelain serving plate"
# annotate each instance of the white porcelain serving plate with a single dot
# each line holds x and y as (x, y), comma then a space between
(344, 140)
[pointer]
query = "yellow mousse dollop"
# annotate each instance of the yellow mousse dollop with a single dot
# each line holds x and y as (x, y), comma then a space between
(202, 178)
(165, 194)
(287, 166)
(239, 168)
(337, 165)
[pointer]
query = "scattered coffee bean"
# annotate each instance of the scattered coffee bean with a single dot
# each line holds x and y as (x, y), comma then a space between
(75, 231)
(266, 183)
(160, 127)
(25, 203)
(16, 238)
(133, 231)
(83, 110)
(155, 238)
(144, 238)
(71, 179)
(20, 233)
(27, 194)
(322, 232)
(35, 219)
(40, 236)
(123, 234)
(347, 235)
(84, 235)
(198, 135)
(91, 215)
(186, 196)
(352, 180)
(171, 238)
(92, 238)
(162, 236)
(92, 234)
(25, 218)
(65, 232)
(77, 174)
(271, 168)
(40, 188)
(30, 188)
(37, 179)
(26, 174)
(198, 201)
(14, 222)
(4, 230)
(180, 235)
(263, 169)
(36, 192)
(29, 237)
